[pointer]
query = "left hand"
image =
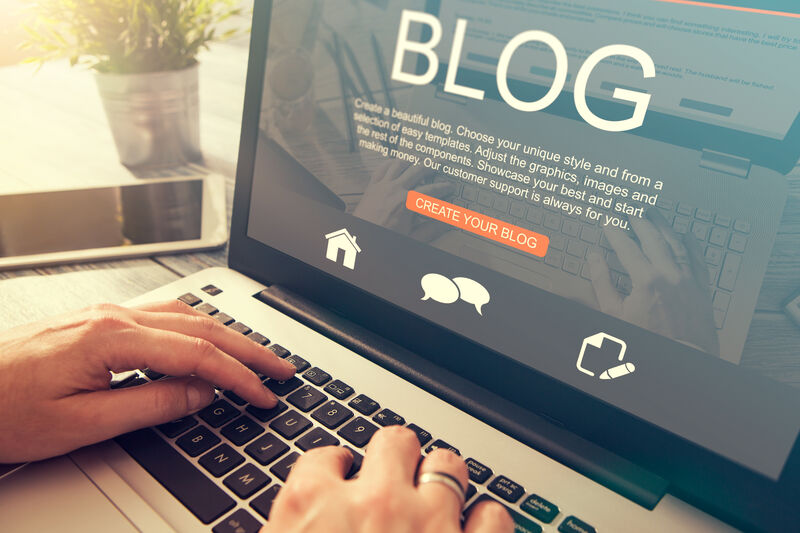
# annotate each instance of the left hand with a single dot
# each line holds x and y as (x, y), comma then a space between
(54, 374)
(384, 200)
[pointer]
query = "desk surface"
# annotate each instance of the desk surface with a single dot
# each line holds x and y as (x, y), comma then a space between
(54, 131)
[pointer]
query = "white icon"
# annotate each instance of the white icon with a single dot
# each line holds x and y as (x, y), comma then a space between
(446, 291)
(596, 341)
(342, 240)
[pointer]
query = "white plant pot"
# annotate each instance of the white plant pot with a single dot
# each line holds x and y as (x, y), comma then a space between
(154, 117)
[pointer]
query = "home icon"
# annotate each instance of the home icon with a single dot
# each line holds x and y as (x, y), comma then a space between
(342, 240)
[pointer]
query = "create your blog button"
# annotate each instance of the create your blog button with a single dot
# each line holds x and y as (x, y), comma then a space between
(477, 223)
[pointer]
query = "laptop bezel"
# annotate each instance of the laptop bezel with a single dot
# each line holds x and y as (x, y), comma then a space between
(706, 480)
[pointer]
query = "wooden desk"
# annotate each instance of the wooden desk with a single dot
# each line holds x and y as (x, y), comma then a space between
(53, 129)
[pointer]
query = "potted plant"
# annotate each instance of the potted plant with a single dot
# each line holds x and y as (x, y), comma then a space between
(144, 55)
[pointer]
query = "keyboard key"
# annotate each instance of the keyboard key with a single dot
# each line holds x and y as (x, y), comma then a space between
(389, 418)
(119, 383)
(535, 215)
(572, 265)
(128, 383)
(422, 436)
(723, 221)
(176, 427)
(316, 438)
(282, 468)
(331, 414)
(700, 230)
(552, 221)
(299, 363)
(290, 425)
(258, 338)
(306, 398)
(471, 491)
(241, 328)
(280, 351)
(478, 472)
(317, 376)
(590, 234)
(555, 259)
(221, 460)
(266, 449)
(714, 255)
(685, 209)
(282, 388)
(742, 226)
(207, 309)
(235, 398)
(218, 413)
(152, 374)
(246, 481)
(265, 415)
(263, 503)
(522, 524)
(681, 225)
(224, 318)
(557, 241)
(704, 214)
(729, 272)
(439, 443)
(518, 209)
(718, 236)
(510, 491)
(470, 194)
(572, 524)
(358, 432)
(364, 404)
(211, 290)
(539, 508)
(181, 478)
(738, 242)
(571, 228)
(721, 301)
(242, 430)
(355, 466)
(197, 441)
(577, 249)
(239, 522)
(190, 299)
(338, 389)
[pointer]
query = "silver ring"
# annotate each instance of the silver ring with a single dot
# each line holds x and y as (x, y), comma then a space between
(447, 480)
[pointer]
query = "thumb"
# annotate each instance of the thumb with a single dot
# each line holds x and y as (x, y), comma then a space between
(112, 412)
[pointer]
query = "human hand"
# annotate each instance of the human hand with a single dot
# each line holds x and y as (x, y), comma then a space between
(384, 497)
(54, 374)
(384, 200)
(670, 294)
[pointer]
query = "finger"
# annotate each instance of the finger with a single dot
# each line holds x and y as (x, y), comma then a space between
(696, 260)
(489, 517)
(629, 253)
(232, 342)
(679, 252)
(109, 413)
(392, 456)
(176, 354)
(395, 170)
(330, 462)
(439, 190)
(653, 244)
(439, 495)
(412, 176)
(607, 296)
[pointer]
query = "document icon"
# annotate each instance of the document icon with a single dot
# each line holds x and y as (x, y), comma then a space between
(596, 341)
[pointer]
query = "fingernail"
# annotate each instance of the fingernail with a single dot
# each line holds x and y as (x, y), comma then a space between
(270, 396)
(197, 395)
(289, 366)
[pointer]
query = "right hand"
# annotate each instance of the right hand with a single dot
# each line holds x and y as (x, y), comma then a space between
(384, 498)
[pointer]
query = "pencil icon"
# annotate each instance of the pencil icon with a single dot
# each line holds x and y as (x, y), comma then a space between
(618, 371)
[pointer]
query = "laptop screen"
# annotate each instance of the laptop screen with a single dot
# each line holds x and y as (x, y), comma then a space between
(604, 194)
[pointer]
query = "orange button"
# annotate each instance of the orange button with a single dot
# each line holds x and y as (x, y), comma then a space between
(477, 223)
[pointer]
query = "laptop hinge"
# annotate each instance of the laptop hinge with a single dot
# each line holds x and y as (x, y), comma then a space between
(721, 162)
(596, 463)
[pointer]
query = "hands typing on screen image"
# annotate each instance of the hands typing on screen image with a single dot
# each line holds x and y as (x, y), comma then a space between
(56, 397)
(669, 277)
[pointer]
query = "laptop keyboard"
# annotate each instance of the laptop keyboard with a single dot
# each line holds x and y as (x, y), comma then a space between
(252, 450)
(722, 238)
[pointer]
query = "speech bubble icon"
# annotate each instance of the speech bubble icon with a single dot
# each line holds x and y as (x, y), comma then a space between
(472, 292)
(439, 288)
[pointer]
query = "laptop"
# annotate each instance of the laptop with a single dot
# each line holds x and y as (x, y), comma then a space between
(342, 260)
